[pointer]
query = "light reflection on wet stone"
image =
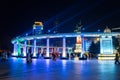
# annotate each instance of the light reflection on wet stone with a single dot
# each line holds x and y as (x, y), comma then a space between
(41, 69)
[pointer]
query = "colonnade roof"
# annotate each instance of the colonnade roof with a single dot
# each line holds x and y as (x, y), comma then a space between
(61, 35)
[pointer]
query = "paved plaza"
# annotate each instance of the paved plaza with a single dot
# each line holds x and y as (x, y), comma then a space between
(47, 69)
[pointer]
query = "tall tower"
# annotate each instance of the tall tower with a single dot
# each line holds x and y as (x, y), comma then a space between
(37, 28)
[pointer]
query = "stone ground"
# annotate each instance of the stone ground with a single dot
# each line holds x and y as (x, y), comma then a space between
(47, 69)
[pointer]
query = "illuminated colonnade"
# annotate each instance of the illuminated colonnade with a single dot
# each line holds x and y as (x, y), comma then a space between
(107, 40)
(34, 49)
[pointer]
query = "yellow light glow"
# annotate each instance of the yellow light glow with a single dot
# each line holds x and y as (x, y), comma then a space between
(38, 23)
(76, 58)
(98, 39)
(106, 56)
(78, 48)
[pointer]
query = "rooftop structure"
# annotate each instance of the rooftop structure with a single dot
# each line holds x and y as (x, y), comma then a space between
(37, 28)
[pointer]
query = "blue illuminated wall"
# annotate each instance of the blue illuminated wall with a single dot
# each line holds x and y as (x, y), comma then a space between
(106, 45)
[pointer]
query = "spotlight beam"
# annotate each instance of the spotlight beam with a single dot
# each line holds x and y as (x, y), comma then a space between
(103, 18)
(79, 13)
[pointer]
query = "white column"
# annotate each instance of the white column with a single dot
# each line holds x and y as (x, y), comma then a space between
(47, 52)
(64, 48)
(15, 51)
(34, 50)
(82, 46)
(18, 49)
(41, 50)
(25, 48)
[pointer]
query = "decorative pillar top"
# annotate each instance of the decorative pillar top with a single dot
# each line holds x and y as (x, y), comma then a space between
(107, 30)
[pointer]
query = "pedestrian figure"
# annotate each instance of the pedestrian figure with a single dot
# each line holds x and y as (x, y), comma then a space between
(54, 56)
(29, 58)
(117, 58)
(4, 56)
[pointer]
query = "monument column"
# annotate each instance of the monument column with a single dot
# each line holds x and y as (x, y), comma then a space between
(47, 51)
(106, 45)
(24, 48)
(19, 48)
(15, 52)
(34, 50)
(64, 56)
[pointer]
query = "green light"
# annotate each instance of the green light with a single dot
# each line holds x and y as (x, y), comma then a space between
(19, 49)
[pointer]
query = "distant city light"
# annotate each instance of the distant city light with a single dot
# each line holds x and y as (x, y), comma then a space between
(48, 30)
(26, 34)
(98, 30)
(83, 29)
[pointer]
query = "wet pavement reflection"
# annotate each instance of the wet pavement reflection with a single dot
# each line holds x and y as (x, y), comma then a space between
(47, 69)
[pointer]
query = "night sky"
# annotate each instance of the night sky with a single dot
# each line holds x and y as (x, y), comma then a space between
(18, 16)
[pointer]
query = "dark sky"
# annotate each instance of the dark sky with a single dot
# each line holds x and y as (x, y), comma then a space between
(18, 16)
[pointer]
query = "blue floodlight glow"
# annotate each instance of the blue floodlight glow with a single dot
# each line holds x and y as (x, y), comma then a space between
(77, 14)
(63, 13)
